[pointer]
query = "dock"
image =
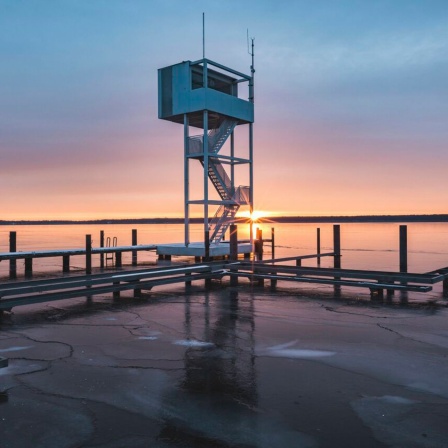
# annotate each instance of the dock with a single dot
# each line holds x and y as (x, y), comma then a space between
(237, 262)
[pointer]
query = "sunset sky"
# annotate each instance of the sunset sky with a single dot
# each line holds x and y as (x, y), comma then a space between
(351, 104)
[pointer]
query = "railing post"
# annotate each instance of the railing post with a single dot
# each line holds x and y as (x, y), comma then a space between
(102, 245)
(233, 253)
(88, 254)
(118, 262)
(273, 242)
(13, 248)
(318, 246)
(134, 243)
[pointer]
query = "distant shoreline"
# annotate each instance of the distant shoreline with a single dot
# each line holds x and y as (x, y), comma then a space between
(271, 219)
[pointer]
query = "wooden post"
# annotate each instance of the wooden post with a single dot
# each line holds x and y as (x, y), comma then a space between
(233, 252)
(445, 287)
(298, 262)
(116, 294)
(101, 245)
(259, 242)
(337, 245)
(118, 262)
(65, 263)
(259, 235)
(337, 254)
(207, 245)
(88, 254)
(403, 248)
(28, 267)
(273, 242)
(134, 243)
(208, 282)
(403, 258)
(318, 246)
(13, 248)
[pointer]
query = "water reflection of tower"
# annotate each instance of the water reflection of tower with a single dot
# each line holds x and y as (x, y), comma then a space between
(218, 392)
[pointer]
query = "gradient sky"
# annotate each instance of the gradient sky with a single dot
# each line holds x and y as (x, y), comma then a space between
(351, 104)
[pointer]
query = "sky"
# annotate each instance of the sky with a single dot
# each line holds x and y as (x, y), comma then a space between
(351, 110)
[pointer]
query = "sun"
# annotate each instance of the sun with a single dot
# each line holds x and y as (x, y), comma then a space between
(255, 216)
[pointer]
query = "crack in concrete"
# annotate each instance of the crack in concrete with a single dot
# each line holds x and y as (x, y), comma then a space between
(405, 337)
(70, 347)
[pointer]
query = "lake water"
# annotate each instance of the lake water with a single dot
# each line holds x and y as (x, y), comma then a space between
(364, 246)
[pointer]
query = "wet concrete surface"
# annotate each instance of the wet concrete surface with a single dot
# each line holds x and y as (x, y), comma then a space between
(224, 368)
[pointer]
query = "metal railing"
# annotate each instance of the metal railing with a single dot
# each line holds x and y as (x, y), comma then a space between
(216, 138)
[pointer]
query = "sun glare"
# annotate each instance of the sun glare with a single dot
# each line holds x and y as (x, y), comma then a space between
(256, 216)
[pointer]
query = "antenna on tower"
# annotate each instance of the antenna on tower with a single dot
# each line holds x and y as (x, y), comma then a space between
(250, 50)
(203, 35)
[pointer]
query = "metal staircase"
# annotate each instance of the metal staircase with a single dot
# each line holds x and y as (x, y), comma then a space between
(234, 198)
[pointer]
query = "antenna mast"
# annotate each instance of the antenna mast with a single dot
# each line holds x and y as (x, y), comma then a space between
(252, 67)
(203, 35)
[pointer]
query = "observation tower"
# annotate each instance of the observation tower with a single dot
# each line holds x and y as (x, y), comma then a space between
(209, 96)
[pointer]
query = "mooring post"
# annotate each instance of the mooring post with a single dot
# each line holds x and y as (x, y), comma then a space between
(403, 248)
(12, 248)
(206, 245)
(259, 243)
(102, 245)
(318, 246)
(337, 254)
(259, 236)
(134, 243)
(337, 246)
(88, 254)
(404, 258)
(208, 281)
(65, 263)
(28, 267)
(233, 253)
(273, 242)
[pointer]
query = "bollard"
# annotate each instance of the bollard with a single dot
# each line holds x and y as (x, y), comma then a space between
(134, 243)
(101, 245)
(233, 252)
(88, 254)
(13, 248)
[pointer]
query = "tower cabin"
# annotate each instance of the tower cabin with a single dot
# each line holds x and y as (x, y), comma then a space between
(204, 94)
